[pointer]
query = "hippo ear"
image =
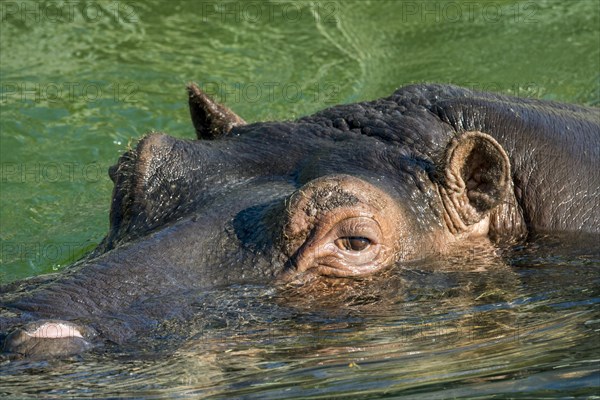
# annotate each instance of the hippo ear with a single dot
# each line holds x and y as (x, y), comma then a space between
(476, 179)
(211, 119)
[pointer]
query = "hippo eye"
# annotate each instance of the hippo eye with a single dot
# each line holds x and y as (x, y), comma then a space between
(353, 243)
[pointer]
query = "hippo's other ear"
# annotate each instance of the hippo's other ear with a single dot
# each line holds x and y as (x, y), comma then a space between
(211, 119)
(476, 179)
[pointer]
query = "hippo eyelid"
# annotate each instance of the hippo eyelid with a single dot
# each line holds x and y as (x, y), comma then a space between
(353, 243)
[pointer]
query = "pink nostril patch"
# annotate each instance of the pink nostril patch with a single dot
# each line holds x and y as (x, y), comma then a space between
(55, 330)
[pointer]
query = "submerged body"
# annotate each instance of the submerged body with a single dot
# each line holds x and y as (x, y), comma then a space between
(347, 192)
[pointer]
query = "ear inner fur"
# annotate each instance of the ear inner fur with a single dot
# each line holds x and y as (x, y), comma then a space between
(476, 179)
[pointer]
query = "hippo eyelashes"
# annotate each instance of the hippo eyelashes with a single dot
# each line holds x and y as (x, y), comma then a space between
(353, 243)
(340, 225)
(355, 237)
(352, 246)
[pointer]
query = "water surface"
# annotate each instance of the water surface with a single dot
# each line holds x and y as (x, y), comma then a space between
(524, 324)
(79, 84)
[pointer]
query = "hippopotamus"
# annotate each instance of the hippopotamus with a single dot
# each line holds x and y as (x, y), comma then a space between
(347, 192)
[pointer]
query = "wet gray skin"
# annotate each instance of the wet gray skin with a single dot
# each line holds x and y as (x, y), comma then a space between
(347, 192)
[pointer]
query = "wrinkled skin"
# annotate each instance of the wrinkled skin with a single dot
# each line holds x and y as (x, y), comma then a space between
(346, 192)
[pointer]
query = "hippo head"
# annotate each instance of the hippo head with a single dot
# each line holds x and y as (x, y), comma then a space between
(345, 193)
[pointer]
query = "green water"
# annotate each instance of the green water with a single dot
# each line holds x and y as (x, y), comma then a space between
(81, 81)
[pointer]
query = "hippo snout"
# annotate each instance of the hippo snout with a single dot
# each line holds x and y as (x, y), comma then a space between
(48, 338)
